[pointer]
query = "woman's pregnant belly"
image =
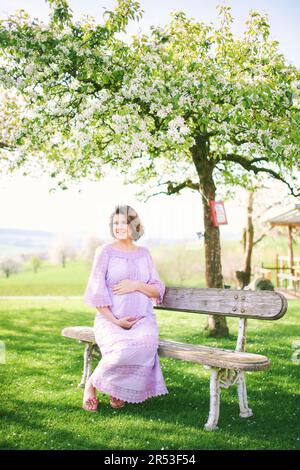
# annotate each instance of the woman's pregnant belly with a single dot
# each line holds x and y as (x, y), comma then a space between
(131, 304)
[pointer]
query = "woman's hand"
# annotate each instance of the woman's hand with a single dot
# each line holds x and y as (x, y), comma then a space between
(127, 322)
(125, 286)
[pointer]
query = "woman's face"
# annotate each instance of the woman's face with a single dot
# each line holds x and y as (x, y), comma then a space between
(121, 230)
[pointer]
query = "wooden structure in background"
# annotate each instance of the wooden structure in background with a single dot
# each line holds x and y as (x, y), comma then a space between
(288, 267)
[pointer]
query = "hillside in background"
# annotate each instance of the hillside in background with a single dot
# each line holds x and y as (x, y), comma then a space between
(20, 241)
(16, 242)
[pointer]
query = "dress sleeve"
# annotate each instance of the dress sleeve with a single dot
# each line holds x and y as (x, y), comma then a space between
(154, 279)
(97, 293)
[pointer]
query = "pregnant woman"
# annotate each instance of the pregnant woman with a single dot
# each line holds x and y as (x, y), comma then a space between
(123, 286)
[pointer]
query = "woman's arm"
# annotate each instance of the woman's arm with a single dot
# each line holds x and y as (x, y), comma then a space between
(151, 290)
(154, 287)
(125, 322)
(97, 293)
(105, 311)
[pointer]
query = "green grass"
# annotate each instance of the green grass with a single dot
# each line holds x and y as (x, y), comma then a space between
(41, 404)
(50, 280)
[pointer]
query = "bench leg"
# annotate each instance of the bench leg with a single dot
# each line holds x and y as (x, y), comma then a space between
(214, 409)
(87, 364)
(245, 411)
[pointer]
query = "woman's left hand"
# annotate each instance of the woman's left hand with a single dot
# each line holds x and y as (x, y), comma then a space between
(125, 286)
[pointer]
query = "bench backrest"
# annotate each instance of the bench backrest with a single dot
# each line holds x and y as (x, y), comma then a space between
(263, 305)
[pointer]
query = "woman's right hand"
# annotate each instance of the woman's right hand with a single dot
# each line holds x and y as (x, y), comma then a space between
(127, 322)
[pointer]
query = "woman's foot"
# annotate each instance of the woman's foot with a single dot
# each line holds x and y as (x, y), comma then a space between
(91, 404)
(116, 403)
(90, 401)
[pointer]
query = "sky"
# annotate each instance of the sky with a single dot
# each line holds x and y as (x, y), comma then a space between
(26, 202)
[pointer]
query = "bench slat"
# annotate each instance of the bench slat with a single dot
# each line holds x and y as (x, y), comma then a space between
(81, 333)
(214, 357)
(264, 305)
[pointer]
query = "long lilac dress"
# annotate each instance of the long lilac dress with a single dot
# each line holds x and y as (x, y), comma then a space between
(129, 368)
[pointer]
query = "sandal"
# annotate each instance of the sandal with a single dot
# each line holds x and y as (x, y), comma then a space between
(116, 403)
(91, 404)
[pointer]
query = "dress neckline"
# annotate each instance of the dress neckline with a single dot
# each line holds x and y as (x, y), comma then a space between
(126, 253)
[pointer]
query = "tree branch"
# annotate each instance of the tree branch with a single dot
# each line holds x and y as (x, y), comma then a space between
(173, 189)
(259, 239)
(5, 146)
(248, 165)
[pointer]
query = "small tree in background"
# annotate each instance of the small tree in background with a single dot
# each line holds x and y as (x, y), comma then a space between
(10, 266)
(35, 263)
(62, 251)
(92, 242)
(262, 201)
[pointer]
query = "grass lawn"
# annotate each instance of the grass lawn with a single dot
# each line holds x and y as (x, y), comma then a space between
(40, 402)
(49, 280)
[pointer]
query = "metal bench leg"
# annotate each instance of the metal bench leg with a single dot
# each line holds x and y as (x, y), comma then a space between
(87, 364)
(245, 411)
(214, 409)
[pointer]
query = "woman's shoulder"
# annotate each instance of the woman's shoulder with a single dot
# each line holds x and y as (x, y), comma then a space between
(102, 249)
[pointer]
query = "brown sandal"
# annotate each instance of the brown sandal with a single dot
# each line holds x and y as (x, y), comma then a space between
(116, 403)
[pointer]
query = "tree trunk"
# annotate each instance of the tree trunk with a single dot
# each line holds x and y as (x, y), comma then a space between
(216, 325)
(291, 254)
(244, 276)
(63, 261)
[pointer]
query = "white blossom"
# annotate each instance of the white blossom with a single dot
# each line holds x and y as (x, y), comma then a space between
(164, 111)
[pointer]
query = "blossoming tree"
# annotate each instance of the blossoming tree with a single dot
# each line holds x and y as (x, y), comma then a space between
(189, 105)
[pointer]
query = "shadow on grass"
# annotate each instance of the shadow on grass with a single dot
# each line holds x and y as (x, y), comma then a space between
(35, 422)
(178, 408)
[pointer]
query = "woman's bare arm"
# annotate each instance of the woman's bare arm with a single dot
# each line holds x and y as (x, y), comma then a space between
(107, 314)
(151, 290)
(125, 322)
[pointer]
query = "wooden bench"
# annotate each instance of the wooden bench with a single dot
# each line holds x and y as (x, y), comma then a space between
(227, 366)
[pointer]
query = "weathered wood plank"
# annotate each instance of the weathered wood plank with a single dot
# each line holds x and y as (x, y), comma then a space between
(81, 333)
(214, 357)
(263, 305)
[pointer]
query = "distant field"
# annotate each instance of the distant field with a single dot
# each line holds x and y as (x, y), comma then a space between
(50, 280)
(177, 265)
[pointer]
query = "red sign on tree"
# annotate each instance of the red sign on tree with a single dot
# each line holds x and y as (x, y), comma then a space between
(218, 214)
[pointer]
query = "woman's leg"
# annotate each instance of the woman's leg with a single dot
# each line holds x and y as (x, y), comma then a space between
(89, 390)
(129, 369)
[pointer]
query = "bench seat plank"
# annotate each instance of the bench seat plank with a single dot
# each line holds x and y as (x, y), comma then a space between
(214, 357)
(81, 333)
